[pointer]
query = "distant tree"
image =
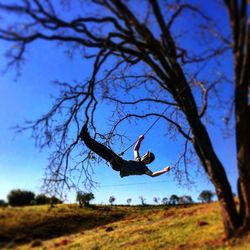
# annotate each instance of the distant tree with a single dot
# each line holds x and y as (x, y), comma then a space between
(206, 196)
(174, 200)
(54, 200)
(111, 200)
(156, 200)
(165, 201)
(185, 199)
(42, 199)
(19, 197)
(84, 198)
(129, 200)
(188, 199)
(3, 203)
(142, 200)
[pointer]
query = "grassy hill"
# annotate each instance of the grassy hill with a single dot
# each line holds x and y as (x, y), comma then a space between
(117, 227)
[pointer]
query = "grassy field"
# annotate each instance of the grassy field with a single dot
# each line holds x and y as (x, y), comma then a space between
(116, 227)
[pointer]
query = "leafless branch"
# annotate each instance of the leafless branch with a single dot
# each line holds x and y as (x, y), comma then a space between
(116, 41)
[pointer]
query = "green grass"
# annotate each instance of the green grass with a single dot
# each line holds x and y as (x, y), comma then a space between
(117, 227)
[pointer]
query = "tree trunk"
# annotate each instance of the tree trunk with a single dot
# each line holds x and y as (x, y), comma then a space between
(242, 110)
(212, 165)
(216, 172)
(238, 15)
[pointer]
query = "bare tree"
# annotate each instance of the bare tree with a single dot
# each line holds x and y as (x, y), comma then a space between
(111, 200)
(142, 200)
(129, 200)
(156, 200)
(120, 35)
(165, 201)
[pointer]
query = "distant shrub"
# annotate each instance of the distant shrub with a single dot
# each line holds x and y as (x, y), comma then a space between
(84, 198)
(54, 200)
(19, 197)
(3, 203)
(33, 202)
(42, 199)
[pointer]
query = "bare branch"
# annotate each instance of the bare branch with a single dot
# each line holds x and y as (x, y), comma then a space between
(140, 101)
(179, 128)
(183, 7)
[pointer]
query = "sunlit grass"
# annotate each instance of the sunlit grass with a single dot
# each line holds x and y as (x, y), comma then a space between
(117, 227)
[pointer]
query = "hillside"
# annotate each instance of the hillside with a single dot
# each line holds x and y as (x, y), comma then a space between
(117, 227)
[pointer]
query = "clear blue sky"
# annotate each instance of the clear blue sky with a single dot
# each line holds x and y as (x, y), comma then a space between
(22, 165)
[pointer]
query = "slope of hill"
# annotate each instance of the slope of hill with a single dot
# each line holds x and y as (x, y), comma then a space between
(117, 227)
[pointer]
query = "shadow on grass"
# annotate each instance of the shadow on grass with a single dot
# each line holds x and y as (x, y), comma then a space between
(51, 227)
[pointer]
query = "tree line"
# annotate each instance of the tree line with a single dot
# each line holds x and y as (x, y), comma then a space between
(19, 197)
(84, 198)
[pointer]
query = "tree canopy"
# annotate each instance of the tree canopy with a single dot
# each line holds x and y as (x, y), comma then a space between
(206, 196)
